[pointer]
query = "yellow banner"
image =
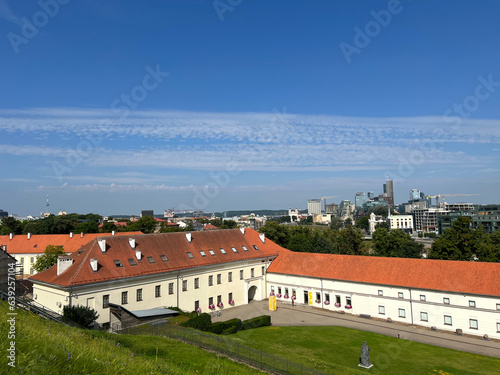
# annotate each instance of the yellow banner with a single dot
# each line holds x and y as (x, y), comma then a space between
(272, 303)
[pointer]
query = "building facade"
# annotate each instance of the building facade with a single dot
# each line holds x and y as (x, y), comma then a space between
(314, 206)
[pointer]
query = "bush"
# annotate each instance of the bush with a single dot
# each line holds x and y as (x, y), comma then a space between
(82, 315)
(203, 322)
(227, 327)
(260, 321)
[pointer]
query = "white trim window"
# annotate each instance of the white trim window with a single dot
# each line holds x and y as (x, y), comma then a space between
(422, 298)
(381, 310)
(472, 303)
(402, 313)
(424, 317)
(447, 320)
(473, 324)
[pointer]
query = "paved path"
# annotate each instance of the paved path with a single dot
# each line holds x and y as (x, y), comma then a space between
(302, 315)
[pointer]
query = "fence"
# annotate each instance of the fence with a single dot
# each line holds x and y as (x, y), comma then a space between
(223, 345)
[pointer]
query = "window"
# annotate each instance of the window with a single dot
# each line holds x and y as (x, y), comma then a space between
(210, 280)
(498, 327)
(447, 320)
(124, 298)
(139, 295)
(196, 305)
(197, 283)
(446, 300)
(245, 248)
(424, 317)
(337, 300)
(279, 290)
(32, 259)
(164, 258)
(190, 255)
(170, 288)
(105, 301)
(211, 252)
(234, 250)
(286, 291)
(252, 272)
(229, 277)
(327, 297)
(184, 285)
(203, 253)
(158, 291)
(422, 297)
(381, 310)
(151, 260)
(472, 323)
(230, 297)
(402, 313)
(255, 247)
(241, 274)
(118, 263)
(498, 306)
(293, 293)
(219, 278)
(211, 301)
(132, 262)
(348, 301)
(263, 270)
(22, 260)
(32, 271)
(222, 251)
(400, 295)
(472, 303)
(318, 296)
(380, 292)
(219, 299)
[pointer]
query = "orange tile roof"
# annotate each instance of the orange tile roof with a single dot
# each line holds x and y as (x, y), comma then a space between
(20, 244)
(173, 245)
(454, 276)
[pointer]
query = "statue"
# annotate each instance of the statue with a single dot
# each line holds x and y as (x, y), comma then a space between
(365, 356)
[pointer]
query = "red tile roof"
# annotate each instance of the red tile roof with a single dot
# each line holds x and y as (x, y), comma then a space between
(20, 244)
(173, 245)
(210, 227)
(454, 276)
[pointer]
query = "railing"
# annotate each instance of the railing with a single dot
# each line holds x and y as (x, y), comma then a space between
(223, 345)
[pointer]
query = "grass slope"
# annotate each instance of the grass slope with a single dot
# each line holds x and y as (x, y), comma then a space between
(44, 347)
(337, 349)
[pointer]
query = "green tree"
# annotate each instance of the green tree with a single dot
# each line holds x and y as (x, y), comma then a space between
(277, 233)
(146, 224)
(395, 243)
(363, 223)
(10, 225)
(350, 241)
(49, 258)
(336, 223)
(87, 227)
(460, 242)
(82, 315)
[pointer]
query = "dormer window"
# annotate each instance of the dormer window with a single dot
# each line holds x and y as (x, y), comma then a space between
(118, 263)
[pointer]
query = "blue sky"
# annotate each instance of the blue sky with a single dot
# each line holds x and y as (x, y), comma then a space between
(113, 107)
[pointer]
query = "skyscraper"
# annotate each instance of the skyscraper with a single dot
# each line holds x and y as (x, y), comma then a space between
(360, 199)
(389, 192)
(314, 206)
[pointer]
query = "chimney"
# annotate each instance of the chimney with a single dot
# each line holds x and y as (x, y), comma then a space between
(81, 235)
(138, 254)
(11, 236)
(93, 264)
(63, 263)
(112, 232)
(29, 236)
(70, 234)
(188, 237)
(262, 237)
(102, 244)
(242, 230)
(131, 241)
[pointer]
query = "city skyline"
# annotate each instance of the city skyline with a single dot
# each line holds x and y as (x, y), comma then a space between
(115, 107)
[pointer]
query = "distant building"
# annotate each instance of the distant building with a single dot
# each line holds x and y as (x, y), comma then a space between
(3, 214)
(360, 200)
(294, 214)
(147, 213)
(426, 219)
(420, 204)
(331, 208)
(314, 206)
(371, 195)
(414, 195)
(487, 217)
(401, 222)
(345, 210)
(373, 221)
(389, 192)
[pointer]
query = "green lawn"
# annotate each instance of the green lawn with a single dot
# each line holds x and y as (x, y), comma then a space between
(338, 349)
(45, 347)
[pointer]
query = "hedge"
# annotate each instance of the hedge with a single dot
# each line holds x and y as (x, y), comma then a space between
(259, 321)
(203, 322)
(226, 327)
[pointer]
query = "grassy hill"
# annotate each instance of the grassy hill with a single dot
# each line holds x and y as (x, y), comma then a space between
(45, 347)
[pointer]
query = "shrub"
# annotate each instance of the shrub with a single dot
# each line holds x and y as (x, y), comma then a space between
(259, 321)
(226, 327)
(82, 315)
(203, 322)
(230, 330)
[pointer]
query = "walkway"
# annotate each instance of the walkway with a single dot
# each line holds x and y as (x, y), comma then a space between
(302, 315)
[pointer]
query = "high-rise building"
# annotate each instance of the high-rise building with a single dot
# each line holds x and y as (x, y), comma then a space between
(314, 206)
(371, 195)
(389, 193)
(414, 195)
(147, 213)
(3, 214)
(360, 199)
